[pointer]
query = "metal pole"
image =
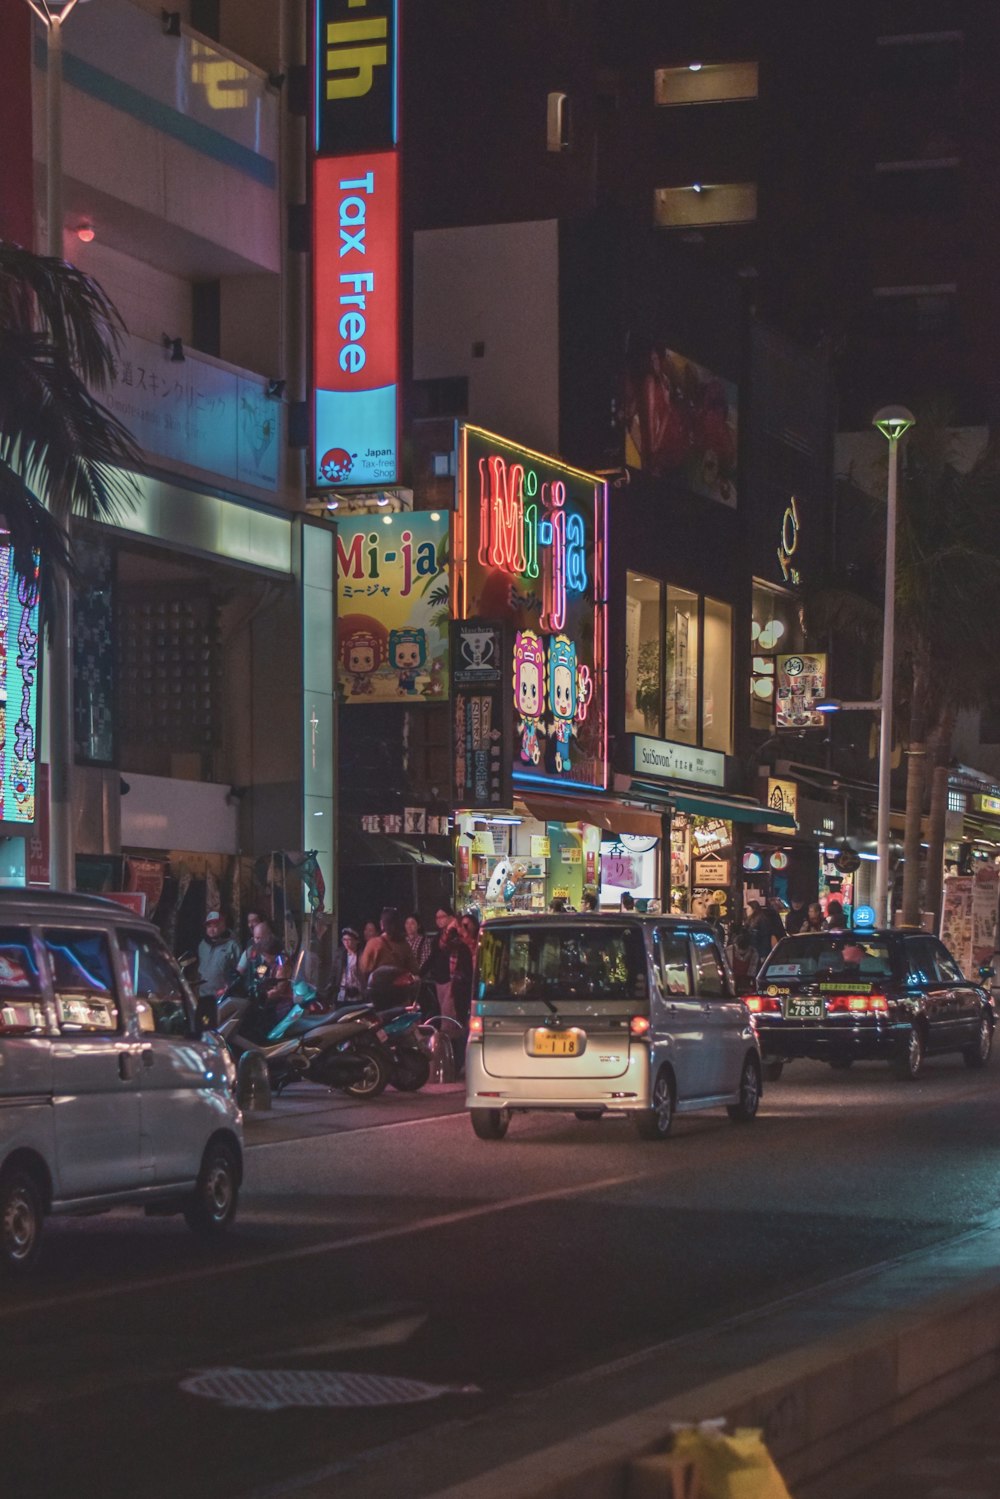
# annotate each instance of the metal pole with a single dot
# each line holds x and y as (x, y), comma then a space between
(882, 911)
(62, 858)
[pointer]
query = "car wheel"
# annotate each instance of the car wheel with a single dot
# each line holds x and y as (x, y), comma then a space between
(490, 1124)
(374, 1079)
(21, 1217)
(910, 1062)
(773, 1070)
(841, 1064)
(745, 1109)
(655, 1122)
(588, 1116)
(978, 1054)
(212, 1206)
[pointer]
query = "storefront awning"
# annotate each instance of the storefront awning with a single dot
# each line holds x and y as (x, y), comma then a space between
(730, 809)
(612, 816)
(376, 848)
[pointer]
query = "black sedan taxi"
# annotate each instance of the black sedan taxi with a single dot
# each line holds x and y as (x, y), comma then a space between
(840, 997)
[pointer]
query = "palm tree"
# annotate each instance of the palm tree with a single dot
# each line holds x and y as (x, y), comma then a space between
(62, 453)
(947, 624)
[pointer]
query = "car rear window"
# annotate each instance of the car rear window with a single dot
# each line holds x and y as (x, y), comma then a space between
(827, 956)
(537, 961)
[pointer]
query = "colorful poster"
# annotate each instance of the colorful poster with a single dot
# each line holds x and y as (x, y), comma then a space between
(533, 556)
(800, 685)
(393, 607)
(681, 421)
(18, 690)
(481, 720)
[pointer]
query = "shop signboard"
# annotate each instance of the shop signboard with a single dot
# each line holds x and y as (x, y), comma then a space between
(663, 760)
(969, 917)
(481, 714)
(800, 683)
(19, 668)
(711, 872)
(392, 607)
(355, 75)
(988, 804)
(531, 553)
(682, 421)
(783, 796)
(355, 260)
(621, 870)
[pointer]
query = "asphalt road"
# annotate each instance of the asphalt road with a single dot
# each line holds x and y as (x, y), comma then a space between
(387, 1241)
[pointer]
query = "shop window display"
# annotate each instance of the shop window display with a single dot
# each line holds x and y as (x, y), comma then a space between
(717, 677)
(682, 666)
(701, 865)
(644, 656)
(774, 627)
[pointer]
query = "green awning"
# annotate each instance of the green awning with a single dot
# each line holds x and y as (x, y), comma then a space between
(731, 809)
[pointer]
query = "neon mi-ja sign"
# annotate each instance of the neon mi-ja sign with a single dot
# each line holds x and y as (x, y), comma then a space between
(526, 529)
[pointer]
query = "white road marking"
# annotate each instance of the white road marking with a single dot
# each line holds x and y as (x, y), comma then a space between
(313, 1251)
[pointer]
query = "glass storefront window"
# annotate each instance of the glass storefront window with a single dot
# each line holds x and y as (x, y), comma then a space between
(717, 677)
(682, 667)
(775, 627)
(643, 656)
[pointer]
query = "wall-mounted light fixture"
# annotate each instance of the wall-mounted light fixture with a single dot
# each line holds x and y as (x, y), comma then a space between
(176, 347)
(275, 389)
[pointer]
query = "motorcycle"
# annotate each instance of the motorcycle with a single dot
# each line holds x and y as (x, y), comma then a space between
(337, 1050)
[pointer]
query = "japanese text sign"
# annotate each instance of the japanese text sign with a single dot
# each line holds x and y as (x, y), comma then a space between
(800, 683)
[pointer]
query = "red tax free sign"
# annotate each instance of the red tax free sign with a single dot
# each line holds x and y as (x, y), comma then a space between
(356, 308)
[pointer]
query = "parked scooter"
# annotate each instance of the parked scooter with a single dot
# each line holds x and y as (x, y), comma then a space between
(338, 1051)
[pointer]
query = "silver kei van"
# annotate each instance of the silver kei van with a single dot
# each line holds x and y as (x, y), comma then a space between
(112, 1089)
(606, 1015)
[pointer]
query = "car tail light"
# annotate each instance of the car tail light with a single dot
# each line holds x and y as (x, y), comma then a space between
(858, 1004)
(763, 1003)
(475, 1025)
(639, 1025)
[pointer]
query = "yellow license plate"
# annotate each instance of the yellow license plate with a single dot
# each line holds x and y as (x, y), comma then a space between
(547, 1043)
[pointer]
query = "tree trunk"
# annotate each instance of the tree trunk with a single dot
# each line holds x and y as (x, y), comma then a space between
(916, 761)
(941, 758)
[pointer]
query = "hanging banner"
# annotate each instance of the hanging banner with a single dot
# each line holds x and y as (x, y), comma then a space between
(355, 75)
(19, 667)
(481, 715)
(533, 555)
(800, 683)
(393, 607)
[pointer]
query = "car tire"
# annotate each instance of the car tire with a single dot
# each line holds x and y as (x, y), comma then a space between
(773, 1070)
(744, 1111)
(841, 1064)
(211, 1208)
(910, 1063)
(655, 1123)
(490, 1124)
(977, 1055)
(588, 1116)
(22, 1213)
(375, 1078)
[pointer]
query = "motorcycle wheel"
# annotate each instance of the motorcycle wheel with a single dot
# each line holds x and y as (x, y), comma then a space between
(411, 1071)
(375, 1077)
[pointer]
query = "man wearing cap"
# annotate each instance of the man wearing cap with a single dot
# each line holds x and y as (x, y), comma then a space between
(218, 955)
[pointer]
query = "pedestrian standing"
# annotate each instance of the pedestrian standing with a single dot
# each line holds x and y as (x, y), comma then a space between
(469, 929)
(835, 921)
(814, 918)
(796, 917)
(218, 956)
(713, 915)
(420, 943)
(346, 981)
(743, 959)
(761, 930)
(389, 949)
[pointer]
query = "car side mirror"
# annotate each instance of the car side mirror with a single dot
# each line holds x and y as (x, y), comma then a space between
(207, 1013)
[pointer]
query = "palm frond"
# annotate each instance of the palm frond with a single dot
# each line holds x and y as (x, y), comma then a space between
(39, 293)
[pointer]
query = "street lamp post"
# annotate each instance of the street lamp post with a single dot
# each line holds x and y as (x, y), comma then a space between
(62, 855)
(892, 422)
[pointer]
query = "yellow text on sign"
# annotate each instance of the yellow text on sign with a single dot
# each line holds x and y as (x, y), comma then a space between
(354, 51)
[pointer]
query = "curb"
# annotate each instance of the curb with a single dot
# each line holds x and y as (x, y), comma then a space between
(817, 1406)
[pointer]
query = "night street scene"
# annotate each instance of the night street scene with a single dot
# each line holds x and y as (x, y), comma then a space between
(499, 749)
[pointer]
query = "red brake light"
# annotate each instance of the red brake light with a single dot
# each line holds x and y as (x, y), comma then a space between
(858, 1004)
(475, 1025)
(763, 1002)
(639, 1025)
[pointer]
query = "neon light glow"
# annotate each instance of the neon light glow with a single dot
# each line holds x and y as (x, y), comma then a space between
(18, 690)
(530, 551)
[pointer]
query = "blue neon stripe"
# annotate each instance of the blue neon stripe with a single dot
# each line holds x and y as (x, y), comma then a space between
(162, 117)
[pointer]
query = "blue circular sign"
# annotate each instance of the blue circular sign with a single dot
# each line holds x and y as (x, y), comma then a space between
(864, 916)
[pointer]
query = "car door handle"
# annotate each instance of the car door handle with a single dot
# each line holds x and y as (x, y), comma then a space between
(148, 1056)
(125, 1066)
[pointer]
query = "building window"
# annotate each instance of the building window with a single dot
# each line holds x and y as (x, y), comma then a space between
(557, 123)
(643, 655)
(774, 627)
(956, 801)
(704, 204)
(678, 665)
(717, 676)
(706, 83)
(906, 311)
(682, 666)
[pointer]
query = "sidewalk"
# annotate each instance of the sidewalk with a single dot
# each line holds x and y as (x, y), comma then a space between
(306, 1110)
(953, 1453)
